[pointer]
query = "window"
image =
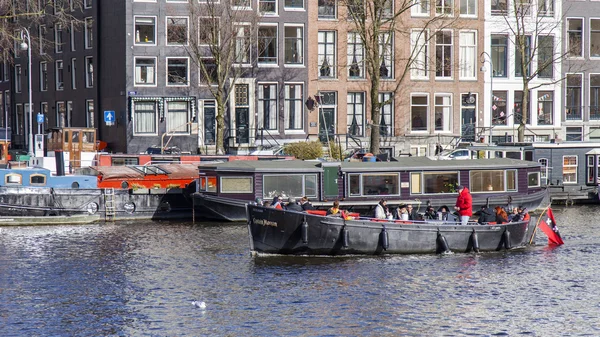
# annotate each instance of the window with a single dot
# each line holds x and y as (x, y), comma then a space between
(386, 69)
(210, 134)
(518, 111)
(355, 114)
(444, 7)
(208, 71)
(326, 9)
(418, 150)
(443, 54)
(326, 54)
(267, 107)
(355, 9)
(373, 184)
(19, 122)
(242, 44)
(72, 31)
(58, 38)
(420, 8)
(208, 184)
(87, 4)
(575, 38)
(60, 79)
(61, 114)
(13, 179)
(239, 4)
(89, 112)
(294, 108)
(293, 4)
(488, 180)
(356, 54)
(523, 7)
(88, 34)
(267, 44)
(569, 169)
(292, 185)
(594, 37)
(499, 55)
(177, 31)
(443, 112)
(433, 182)
(468, 7)
(145, 71)
(468, 55)
(237, 185)
(69, 118)
(593, 172)
(267, 6)
(18, 80)
(545, 56)
(419, 109)
(178, 117)
(294, 44)
(89, 72)
(177, 72)
(73, 73)
(511, 180)
(544, 173)
(546, 7)
(144, 117)
(573, 100)
(42, 37)
(545, 113)
(145, 30)
(44, 111)
(386, 124)
(533, 179)
(519, 61)
(595, 96)
(37, 179)
(574, 134)
(209, 35)
(43, 76)
(420, 66)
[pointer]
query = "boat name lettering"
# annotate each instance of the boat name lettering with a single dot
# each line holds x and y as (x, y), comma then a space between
(264, 222)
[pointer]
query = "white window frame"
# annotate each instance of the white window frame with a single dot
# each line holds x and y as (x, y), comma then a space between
(574, 181)
(43, 77)
(275, 13)
(464, 52)
(88, 32)
(274, 130)
(417, 9)
(452, 44)
(187, 126)
(89, 115)
(73, 73)
(156, 116)
(136, 35)
(286, 108)
(187, 84)
(333, 65)
(72, 36)
(89, 76)
(58, 85)
(471, 6)
(292, 9)
(135, 72)
(446, 125)
(187, 31)
(420, 45)
(59, 46)
(301, 52)
(420, 94)
(583, 42)
(269, 64)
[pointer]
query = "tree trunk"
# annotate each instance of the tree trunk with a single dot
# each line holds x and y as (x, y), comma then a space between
(375, 116)
(220, 142)
(524, 112)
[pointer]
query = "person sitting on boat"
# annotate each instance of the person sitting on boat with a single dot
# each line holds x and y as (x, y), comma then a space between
(402, 213)
(266, 203)
(486, 215)
(430, 213)
(335, 209)
(514, 214)
(277, 202)
(412, 213)
(381, 210)
(305, 203)
(292, 205)
(522, 215)
(501, 216)
(464, 204)
(445, 215)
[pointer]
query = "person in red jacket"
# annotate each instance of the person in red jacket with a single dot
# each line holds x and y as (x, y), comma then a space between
(464, 204)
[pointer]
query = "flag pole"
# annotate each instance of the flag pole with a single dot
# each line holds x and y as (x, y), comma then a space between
(537, 224)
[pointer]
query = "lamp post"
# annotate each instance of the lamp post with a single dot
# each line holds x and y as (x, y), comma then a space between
(27, 46)
(483, 58)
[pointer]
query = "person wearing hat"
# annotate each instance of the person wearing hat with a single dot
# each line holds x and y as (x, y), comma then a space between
(464, 204)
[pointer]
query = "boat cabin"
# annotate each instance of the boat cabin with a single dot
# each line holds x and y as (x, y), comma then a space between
(41, 177)
(144, 176)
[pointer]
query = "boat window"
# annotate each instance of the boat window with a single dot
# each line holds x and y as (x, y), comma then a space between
(13, 179)
(415, 183)
(569, 169)
(208, 184)
(511, 180)
(433, 182)
(120, 161)
(486, 181)
(291, 185)
(513, 155)
(236, 185)
(354, 184)
(533, 179)
(590, 169)
(380, 184)
(544, 163)
(37, 179)
(149, 169)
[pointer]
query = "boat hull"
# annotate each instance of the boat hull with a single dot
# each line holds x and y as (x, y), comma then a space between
(274, 231)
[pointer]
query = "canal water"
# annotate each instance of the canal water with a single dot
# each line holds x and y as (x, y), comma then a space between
(141, 279)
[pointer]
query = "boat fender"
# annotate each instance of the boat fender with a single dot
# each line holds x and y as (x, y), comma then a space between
(385, 240)
(474, 242)
(506, 239)
(345, 237)
(442, 244)
(304, 231)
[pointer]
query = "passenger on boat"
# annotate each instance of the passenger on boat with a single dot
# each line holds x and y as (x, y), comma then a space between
(486, 215)
(522, 215)
(412, 213)
(381, 210)
(335, 209)
(277, 202)
(513, 214)
(501, 216)
(305, 203)
(464, 204)
(444, 214)
(292, 205)
(402, 213)
(430, 213)
(266, 203)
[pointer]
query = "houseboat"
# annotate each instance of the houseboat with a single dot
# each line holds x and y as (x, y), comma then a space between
(223, 189)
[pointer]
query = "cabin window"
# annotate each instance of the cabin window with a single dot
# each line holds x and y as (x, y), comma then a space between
(544, 175)
(291, 185)
(374, 184)
(533, 179)
(37, 179)
(236, 185)
(121, 161)
(492, 180)
(569, 169)
(433, 182)
(208, 184)
(13, 179)
(511, 180)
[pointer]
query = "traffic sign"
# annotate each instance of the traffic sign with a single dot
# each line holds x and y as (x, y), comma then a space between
(109, 117)
(40, 118)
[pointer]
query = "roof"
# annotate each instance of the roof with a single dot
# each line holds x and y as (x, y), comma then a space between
(174, 171)
(266, 166)
(425, 163)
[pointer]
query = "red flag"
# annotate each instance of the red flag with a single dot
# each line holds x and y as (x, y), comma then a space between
(554, 227)
(553, 238)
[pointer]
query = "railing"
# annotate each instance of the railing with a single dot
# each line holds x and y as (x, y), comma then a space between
(595, 113)
(262, 138)
(573, 112)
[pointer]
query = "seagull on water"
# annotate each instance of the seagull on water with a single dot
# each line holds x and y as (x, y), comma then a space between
(199, 304)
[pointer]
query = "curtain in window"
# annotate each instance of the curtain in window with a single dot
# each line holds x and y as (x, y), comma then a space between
(293, 106)
(467, 54)
(144, 117)
(177, 117)
(267, 106)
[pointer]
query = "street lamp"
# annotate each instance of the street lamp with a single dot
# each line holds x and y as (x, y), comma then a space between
(483, 58)
(27, 46)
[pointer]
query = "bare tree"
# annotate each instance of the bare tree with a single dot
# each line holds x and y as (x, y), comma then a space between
(532, 31)
(18, 14)
(223, 41)
(378, 23)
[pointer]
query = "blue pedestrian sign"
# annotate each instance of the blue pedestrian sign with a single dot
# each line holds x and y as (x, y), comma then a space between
(109, 117)
(40, 118)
